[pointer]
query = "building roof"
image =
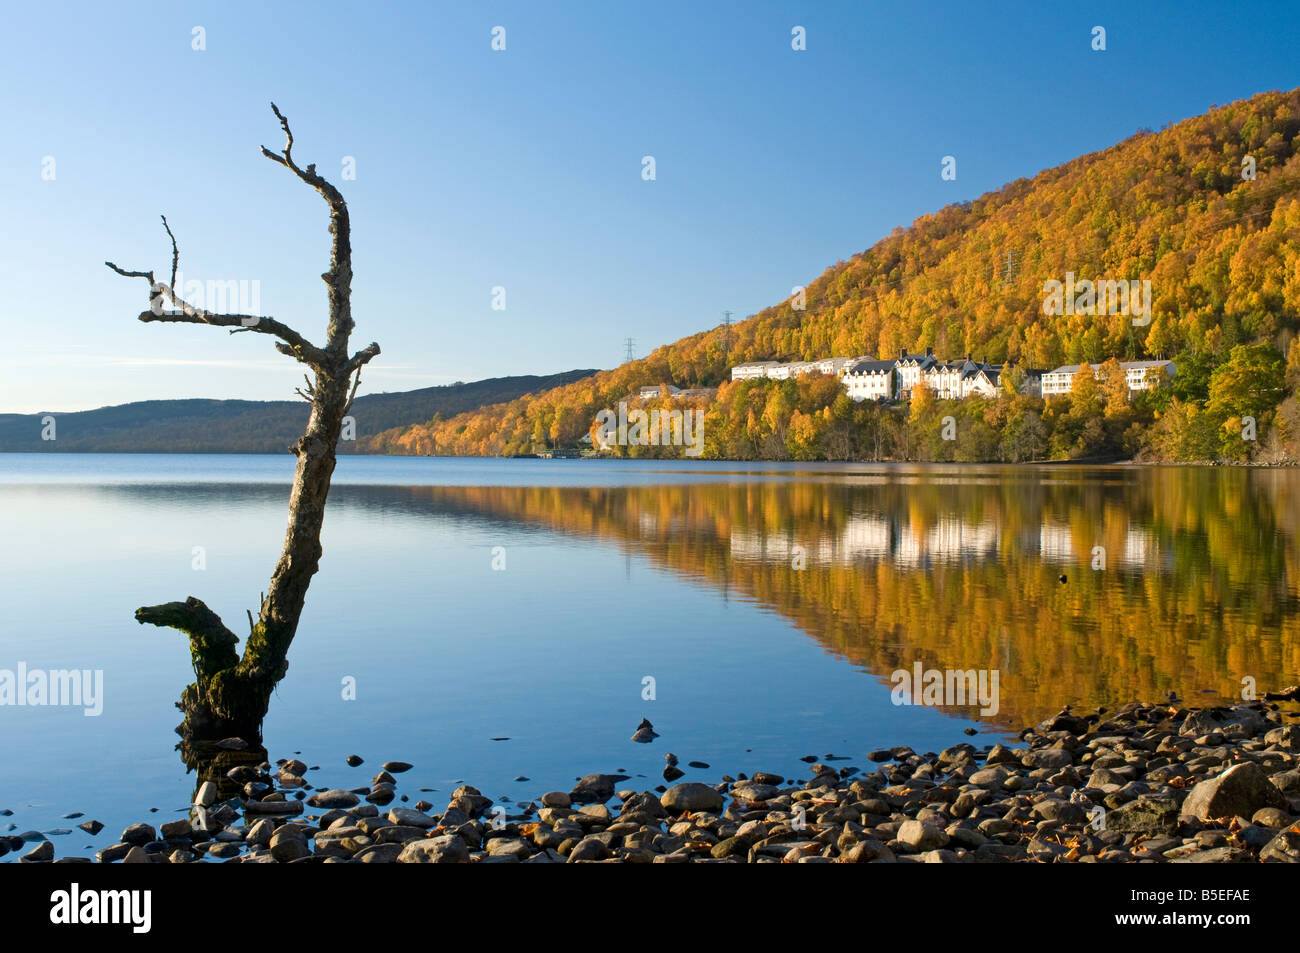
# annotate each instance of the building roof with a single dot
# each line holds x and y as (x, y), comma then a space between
(1126, 365)
(870, 367)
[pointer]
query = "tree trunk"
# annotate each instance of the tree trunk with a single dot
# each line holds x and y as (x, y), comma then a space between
(231, 694)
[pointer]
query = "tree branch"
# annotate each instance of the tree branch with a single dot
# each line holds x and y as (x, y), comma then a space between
(291, 342)
(212, 645)
(363, 357)
(356, 382)
(339, 277)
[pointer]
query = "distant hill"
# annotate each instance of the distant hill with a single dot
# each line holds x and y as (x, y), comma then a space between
(250, 426)
(1207, 210)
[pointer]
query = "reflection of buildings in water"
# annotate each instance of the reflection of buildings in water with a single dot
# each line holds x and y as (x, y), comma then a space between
(761, 547)
(870, 537)
(865, 536)
(1140, 550)
(1055, 544)
(651, 526)
(952, 539)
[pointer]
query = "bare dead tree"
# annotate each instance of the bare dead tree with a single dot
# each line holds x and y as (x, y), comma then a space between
(231, 693)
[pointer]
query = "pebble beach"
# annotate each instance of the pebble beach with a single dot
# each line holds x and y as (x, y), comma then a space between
(1152, 783)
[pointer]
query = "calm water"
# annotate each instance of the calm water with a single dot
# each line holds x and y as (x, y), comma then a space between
(681, 571)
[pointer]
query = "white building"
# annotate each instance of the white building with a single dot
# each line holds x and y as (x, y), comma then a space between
(651, 391)
(870, 380)
(908, 370)
(752, 370)
(1138, 375)
(833, 366)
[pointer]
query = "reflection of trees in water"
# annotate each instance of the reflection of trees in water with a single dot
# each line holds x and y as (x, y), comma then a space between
(960, 570)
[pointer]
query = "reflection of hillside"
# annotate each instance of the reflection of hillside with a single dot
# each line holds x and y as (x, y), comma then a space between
(1202, 586)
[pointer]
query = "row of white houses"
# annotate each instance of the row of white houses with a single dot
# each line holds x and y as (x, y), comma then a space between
(1139, 375)
(869, 379)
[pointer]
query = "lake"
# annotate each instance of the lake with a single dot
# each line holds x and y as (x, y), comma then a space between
(530, 600)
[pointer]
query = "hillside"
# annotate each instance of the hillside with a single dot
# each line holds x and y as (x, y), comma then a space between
(249, 426)
(1222, 253)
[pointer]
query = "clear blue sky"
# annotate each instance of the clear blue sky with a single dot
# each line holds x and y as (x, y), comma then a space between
(522, 168)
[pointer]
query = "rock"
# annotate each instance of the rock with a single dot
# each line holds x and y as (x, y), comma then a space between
(672, 773)
(691, 796)
(289, 850)
(42, 853)
(1216, 855)
(1000, 754)
(1282, 849)
(731, 847)
(1064, 721)
(112, 852)
(1199, 723)
(179, 828)
(408, 818)
(589, 848)
(1146, 815)
(397, 767)
(750, 791)
(1286, 781)
(139, 834)
(556, 799)
(354, 760)
(509, 847)
(91, 827)
(206, 795)
(921, 837)
(1288, 737)
(261, 831)
(232, 744)
(867, 850)
(1064, 812)
(1051, 758)
(293, 767)
(378, 854)
(333, 798)
(1271, 817)
(136, 856)
(448, 849)
(1238, 792)
(595, 788)
(989, 777)
(274, 808)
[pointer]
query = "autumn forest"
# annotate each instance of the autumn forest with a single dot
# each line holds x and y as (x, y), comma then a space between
(1207, 210)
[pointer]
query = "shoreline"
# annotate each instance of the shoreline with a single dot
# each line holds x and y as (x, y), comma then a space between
(1091, 463)
(1139, 784)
